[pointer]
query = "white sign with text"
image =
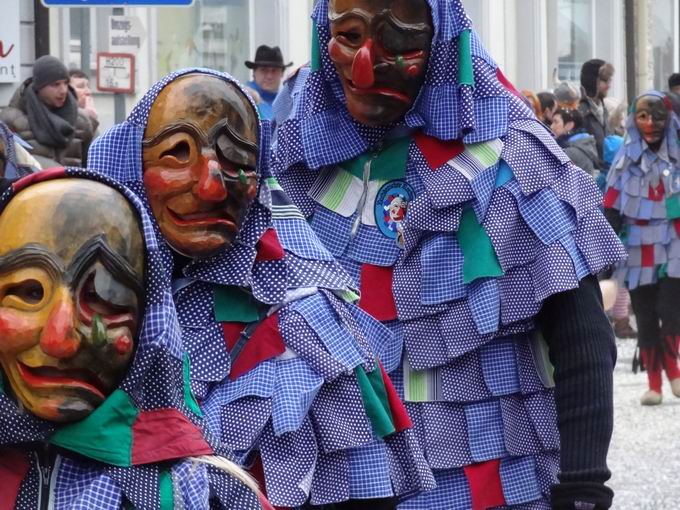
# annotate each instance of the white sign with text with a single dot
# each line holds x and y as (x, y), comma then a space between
(10, 36)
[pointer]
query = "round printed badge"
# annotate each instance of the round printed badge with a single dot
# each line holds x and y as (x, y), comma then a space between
(391, 205)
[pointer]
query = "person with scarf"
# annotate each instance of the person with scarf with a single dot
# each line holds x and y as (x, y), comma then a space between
(282, 363)
(96, 409)
(643, 202)
(44, 112)
(483, 272)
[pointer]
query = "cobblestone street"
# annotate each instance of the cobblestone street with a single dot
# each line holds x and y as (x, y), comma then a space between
(645, 452)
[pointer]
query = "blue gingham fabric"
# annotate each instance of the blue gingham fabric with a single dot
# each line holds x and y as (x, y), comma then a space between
(268, 409)
(635, 171)
(470, 340)
(154, 380)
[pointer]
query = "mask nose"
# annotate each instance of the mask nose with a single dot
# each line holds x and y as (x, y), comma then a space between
(59, 338)
(211, 186)
(362, 67)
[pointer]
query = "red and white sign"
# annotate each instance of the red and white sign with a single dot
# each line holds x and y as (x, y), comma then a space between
(116, 72)
(10, 55)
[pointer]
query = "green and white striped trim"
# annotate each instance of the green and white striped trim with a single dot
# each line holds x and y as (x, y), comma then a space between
(422, 385)
(477, 157)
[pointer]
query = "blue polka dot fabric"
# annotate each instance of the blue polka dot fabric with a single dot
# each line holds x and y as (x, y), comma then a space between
(155, 381)
(301, 406)
(471, 371)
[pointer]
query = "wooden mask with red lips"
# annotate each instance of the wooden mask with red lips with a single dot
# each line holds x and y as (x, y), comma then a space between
(71, 295)
(380, 49)
(200, 154)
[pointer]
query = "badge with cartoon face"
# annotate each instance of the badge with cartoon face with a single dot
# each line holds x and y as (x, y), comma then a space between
(391, 205)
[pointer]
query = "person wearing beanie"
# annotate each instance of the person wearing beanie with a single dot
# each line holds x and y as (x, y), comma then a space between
(596, 77)
(44, 112)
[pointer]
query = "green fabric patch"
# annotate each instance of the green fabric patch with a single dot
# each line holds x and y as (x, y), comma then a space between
(376, 405)
(673, 207)
(189, 399)
(273, 184)
(466, 75)
(315, 62)
(166, 491)
(349, 296)
(663, 271)
(106, 434)
(234, 305)
(389, 164)
(479, 257)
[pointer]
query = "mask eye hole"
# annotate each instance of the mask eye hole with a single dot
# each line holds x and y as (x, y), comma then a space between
(29, 291)
(180, 151)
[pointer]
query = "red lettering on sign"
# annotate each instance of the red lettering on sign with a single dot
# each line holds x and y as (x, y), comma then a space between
(2, 50)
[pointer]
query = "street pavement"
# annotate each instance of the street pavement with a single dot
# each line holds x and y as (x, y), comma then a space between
(645, 452)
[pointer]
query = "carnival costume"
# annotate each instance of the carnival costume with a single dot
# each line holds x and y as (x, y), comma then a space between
(133, 449)
(643, 201)
(281, 363)
(500, 236)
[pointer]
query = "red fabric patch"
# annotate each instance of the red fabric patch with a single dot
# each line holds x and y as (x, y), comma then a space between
(642, 222)
(265, 343)
(43, 175)
(610, 197)
(506, 83)
(437, 152)
(376, 292)
(232, 332)
(647, 255)
(676, 226)
(400, 417)
(485, 484)
(166, 434)
(13, 468)
(269, 247)
(657, 194)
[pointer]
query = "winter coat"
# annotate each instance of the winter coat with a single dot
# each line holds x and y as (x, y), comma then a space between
(582, 150)
(595, 123)
(74, 154)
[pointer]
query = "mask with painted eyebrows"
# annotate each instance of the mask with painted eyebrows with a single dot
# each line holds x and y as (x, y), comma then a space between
(71, 281)
(380, 49)
(200, 163)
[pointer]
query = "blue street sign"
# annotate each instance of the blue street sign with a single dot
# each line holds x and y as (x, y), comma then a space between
(115, 3)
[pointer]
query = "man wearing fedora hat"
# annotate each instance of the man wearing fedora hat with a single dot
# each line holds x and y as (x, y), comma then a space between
(267, 75)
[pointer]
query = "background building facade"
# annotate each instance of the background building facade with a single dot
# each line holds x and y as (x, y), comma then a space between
(536, 42)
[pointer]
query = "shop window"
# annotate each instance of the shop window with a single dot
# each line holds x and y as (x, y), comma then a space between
(573, 35)
(211, 33)
(664, 35)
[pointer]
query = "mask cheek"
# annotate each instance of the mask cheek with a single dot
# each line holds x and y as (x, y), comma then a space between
(340, 54)
(18, 331)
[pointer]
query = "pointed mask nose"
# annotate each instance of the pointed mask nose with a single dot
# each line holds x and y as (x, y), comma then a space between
(211, 186)
(362, 67)
(59, 338)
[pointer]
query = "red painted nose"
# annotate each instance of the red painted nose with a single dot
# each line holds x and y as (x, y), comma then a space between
(362, 67)
(58, 338)
(210, 183)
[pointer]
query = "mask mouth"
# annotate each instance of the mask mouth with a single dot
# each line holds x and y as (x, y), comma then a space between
(83, 381)
(216, 217)
(380, 91)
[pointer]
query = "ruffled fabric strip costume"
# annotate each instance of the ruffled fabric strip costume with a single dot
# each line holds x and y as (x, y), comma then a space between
(643, 201)
(282, 362)
(465, 226)
(70, 436)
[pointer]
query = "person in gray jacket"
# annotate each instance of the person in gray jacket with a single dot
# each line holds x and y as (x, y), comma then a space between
(580, 146)
(44, 112)
(596, 78)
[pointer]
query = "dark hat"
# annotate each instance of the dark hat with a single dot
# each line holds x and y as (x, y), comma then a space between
(268, 57)
(48, 69)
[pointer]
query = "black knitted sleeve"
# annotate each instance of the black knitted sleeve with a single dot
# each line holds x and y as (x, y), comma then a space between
(583, 351)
